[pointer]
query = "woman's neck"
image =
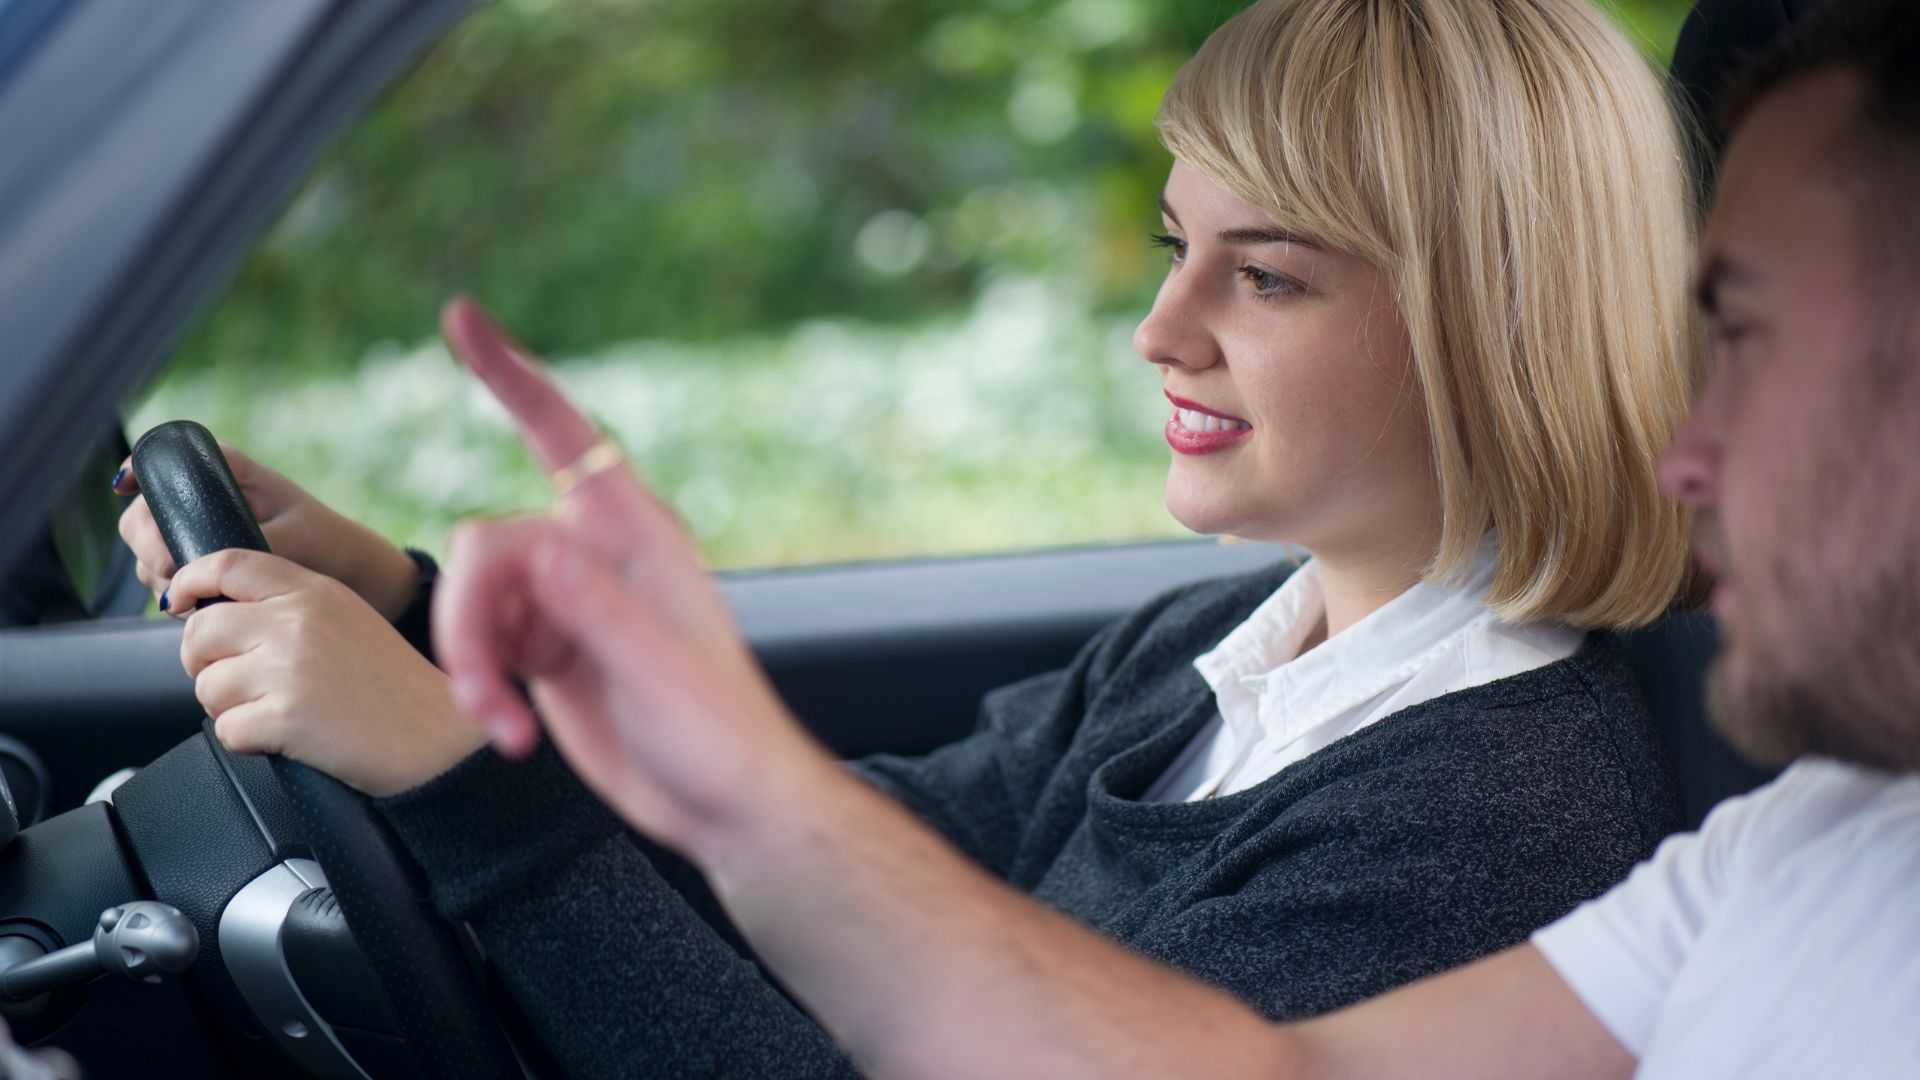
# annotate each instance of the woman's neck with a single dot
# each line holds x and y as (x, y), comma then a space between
(1357, 581)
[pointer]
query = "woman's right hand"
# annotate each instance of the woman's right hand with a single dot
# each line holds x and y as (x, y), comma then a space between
(297, 526)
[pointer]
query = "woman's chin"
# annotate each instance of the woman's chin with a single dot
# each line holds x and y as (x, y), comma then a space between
(1208, 517)
(1223, 513)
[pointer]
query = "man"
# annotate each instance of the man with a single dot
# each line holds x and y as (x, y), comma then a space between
(1781, 940)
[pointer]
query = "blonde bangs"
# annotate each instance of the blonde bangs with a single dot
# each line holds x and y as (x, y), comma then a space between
(1254, 112)
(1517, 168)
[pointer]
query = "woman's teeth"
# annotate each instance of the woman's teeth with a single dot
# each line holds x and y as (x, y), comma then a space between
(1199, 421)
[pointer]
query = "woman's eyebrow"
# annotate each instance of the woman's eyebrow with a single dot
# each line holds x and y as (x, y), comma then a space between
(1263, 235)
(1248, 234)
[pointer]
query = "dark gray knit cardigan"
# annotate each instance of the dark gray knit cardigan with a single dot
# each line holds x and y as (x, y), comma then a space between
(1440, 834)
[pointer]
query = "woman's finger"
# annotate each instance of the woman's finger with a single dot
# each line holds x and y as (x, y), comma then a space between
(142, 536)
(123, 480)
(227, 684)
(125, 483)
(216, 633)
(242, 466)
(237, 574)
(254, 727)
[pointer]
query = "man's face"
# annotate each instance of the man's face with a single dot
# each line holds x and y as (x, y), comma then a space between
(1801, 454)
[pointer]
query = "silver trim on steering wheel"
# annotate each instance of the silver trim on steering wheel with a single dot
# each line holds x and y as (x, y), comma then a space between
(250, 945)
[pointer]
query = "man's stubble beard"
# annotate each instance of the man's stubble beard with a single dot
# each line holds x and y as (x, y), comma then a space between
(1836, 672)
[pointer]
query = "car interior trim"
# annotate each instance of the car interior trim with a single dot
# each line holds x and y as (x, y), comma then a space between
(240, 789)
(250, 930)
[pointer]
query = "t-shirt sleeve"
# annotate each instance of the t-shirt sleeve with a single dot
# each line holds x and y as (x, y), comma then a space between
(1621, 952)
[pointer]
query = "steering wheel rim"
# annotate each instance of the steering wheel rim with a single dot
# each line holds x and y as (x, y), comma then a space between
(416, 956)
(418, 959)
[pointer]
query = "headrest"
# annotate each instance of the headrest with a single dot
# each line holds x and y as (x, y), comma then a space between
(1669, 660)
(1717, 40)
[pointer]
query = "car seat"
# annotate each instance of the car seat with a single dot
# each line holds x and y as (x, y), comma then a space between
(1669, 659)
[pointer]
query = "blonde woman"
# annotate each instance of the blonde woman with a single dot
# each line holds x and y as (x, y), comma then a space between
(1425, 316)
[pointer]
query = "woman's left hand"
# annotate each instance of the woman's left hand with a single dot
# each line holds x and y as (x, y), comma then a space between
(298, 664)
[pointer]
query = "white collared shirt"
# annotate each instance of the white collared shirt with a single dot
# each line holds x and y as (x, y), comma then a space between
(1277, 705)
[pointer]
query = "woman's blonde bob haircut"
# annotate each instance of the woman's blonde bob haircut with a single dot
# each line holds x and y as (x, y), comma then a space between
(1517, 168)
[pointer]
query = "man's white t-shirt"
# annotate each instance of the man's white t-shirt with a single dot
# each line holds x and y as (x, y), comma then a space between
(1781, 940)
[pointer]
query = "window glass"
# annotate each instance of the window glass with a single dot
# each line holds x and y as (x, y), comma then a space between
(849, 280)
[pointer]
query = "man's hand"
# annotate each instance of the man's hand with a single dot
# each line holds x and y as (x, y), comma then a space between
(629, 650)
(297, 664)
(297, 526)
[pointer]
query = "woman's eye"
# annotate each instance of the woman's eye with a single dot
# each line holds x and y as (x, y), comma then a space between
(1176, 247)
(1267, 284)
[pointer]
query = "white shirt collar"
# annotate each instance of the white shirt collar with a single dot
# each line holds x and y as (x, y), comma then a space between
(1266, 689)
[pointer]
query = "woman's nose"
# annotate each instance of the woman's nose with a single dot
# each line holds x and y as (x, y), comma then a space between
(1175, 332)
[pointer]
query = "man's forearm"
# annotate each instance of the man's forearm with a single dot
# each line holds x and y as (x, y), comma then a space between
(925, 966)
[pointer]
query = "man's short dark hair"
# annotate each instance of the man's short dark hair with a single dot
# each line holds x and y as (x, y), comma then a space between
(1876, 152)
(1878, 40)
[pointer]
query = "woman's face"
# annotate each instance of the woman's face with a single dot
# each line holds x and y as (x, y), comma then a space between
(1297, 415)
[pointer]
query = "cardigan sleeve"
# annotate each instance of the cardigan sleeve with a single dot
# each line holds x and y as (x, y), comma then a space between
(616, 952)
(415, 623)
(619, 959)
(592, 927)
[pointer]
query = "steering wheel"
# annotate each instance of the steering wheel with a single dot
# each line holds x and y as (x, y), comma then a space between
(418, 959)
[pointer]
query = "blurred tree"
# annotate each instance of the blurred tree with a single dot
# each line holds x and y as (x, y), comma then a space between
(604, 170)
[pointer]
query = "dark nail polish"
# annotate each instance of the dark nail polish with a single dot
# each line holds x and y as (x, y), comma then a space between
(117, 477)
(163, 598)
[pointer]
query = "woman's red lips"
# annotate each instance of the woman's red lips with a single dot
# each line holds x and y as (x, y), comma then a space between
(1196, 429)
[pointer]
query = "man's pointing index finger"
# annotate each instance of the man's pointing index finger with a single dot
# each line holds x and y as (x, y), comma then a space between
(552, 427)
(566, 443)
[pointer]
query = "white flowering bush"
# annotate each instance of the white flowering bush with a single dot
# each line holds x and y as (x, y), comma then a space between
(1025, 422)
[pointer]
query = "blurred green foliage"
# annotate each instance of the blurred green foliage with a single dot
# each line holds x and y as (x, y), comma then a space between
(603, 170)
(828, 267)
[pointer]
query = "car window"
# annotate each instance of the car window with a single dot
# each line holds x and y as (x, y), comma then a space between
(849, 281)
(22, 23)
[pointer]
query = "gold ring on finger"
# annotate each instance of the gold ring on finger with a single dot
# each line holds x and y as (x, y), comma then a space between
(604, 454)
